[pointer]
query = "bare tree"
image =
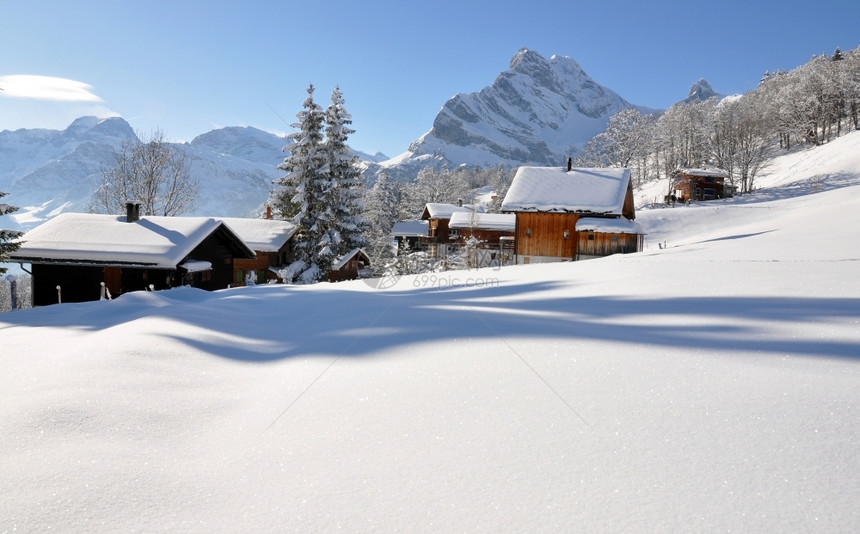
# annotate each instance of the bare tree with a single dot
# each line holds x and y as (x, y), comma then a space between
(150, 172)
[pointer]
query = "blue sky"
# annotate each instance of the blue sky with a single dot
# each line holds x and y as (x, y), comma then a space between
(190, 66)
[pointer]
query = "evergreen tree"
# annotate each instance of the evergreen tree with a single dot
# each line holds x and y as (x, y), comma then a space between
(301, 194)
(347, 226)
(7, 237)
(380, 212)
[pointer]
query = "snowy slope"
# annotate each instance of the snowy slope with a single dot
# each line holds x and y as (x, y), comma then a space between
(707, 386)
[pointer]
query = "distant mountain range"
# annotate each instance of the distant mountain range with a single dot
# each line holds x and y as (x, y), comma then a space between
(538, 112)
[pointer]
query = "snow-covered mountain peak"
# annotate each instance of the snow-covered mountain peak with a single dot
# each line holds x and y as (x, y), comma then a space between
(539, 111)
(701, 91)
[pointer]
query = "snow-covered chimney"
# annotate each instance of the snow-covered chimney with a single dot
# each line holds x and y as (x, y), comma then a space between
(132, 211)
(569, 164)
(268, 212)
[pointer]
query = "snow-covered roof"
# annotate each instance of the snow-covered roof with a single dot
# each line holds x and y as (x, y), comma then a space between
(503, 222)
(719, 173)
(348, 256)
(196, 266)
(410, 228)
(161, 242)
(619, 225)
(264, 235)
(556, 189)
(438, 210)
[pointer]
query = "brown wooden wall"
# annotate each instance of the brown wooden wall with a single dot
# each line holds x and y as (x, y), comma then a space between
(606, 244)
(547, 234)
(260, 264)
(438, 230)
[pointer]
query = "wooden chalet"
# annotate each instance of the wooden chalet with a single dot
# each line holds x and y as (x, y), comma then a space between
(567, 214)
(409, 232)
(270, 241)
(77, 253)
(438, 216)
(489, 228)
(494, 233)
(700, 184)
(349, 266)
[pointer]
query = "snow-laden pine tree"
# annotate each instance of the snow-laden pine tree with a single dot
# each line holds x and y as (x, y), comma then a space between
(303, 195)
(380, 211)
(8, 238)
(348, 225)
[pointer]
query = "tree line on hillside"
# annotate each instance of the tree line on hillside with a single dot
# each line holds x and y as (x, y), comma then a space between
(811, 104)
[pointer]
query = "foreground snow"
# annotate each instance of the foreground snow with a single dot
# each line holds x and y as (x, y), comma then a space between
(709, 385)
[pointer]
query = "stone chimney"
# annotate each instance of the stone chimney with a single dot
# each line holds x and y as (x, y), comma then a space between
(132, 211)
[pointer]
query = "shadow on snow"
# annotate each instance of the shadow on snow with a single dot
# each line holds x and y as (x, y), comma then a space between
(268, 323)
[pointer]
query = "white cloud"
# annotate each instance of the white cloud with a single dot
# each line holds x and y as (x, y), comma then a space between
(46, 88)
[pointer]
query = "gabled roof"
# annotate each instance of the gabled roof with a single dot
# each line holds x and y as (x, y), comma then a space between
(263, 235)
(579, 190)
(503, 222)
(160, 242)
(348, 256)
(438, 210)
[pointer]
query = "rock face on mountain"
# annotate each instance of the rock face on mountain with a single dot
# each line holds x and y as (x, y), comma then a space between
(701, 91)
(539, 111)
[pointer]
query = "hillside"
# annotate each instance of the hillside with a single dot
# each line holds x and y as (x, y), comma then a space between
(709, 386)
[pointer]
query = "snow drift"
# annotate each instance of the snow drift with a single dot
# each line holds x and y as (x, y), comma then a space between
(708, 385)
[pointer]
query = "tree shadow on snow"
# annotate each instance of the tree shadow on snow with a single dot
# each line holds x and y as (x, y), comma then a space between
(269, 323)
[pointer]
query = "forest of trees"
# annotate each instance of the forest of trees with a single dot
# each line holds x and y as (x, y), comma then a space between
(811, 104)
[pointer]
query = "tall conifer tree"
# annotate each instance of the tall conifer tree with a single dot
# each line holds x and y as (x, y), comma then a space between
(301, 192)
(348, 224)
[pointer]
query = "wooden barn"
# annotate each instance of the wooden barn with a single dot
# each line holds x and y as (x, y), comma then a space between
(78, 252)
(700, 184)
(270, 241)
(349, 266)
(567, 214)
